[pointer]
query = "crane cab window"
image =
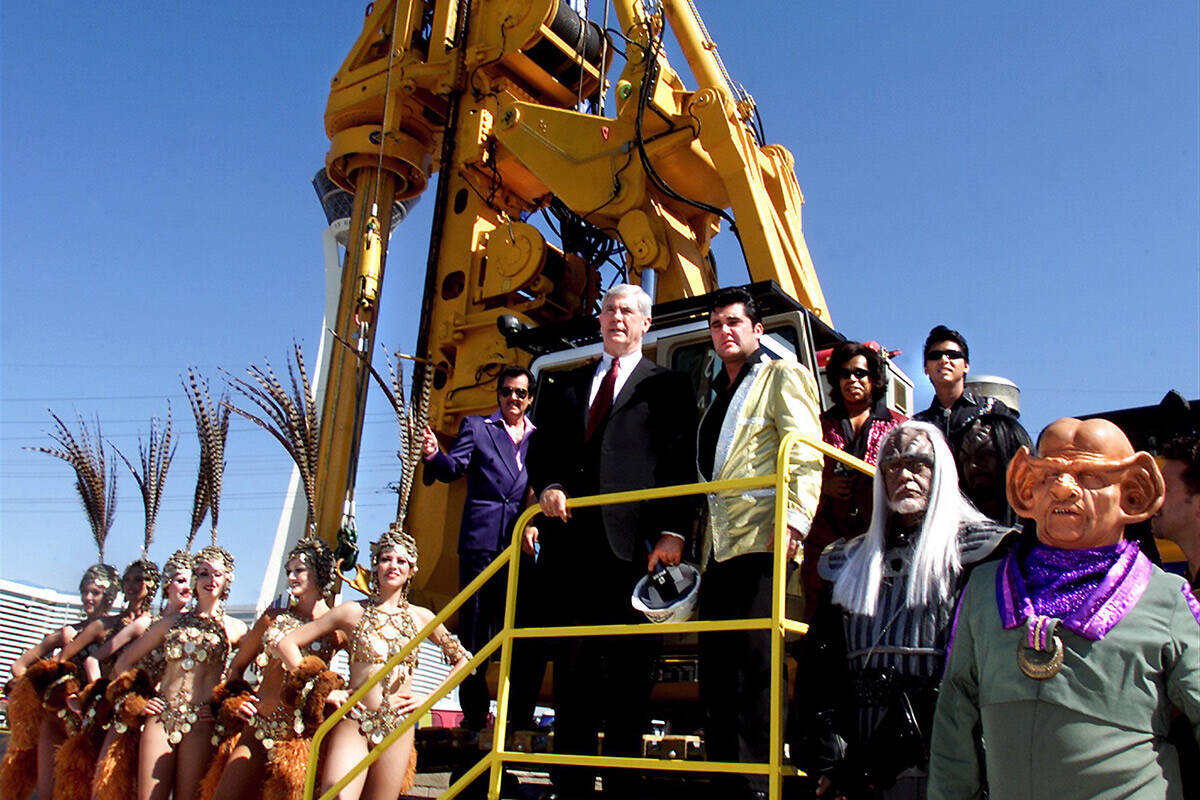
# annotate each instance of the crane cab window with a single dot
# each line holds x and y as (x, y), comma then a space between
(697, 360)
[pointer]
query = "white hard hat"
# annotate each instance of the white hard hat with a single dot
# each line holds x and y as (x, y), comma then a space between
(669, 594)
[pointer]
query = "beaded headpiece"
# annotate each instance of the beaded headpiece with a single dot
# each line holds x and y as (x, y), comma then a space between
(178, 561)
(150, 575)
(215, 554)
(103, 575)
(97, 487)
(394, 538)
(316, 555)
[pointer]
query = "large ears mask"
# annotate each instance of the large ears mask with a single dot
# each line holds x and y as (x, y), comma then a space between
(1021, 479)
(1142, 488)
(1141, 484)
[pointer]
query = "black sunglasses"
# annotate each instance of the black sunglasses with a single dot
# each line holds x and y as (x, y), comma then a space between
(510, 391)
(857, 372)
(937, 355)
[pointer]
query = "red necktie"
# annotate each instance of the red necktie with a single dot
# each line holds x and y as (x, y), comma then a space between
(603, 401)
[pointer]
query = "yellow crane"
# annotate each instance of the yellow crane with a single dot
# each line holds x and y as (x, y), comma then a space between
(488, 93)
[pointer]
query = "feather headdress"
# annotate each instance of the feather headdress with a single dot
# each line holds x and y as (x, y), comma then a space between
(96, 483)
(291, 417)
(411, 415)
(212, 427)
(154, 459)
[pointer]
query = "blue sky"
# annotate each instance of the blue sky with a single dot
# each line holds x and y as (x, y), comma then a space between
(1025, 172)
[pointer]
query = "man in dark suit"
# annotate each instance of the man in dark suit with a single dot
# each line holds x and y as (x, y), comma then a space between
(490, 452)
(620, 424)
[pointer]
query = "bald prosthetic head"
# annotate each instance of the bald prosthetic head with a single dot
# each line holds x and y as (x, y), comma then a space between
(1085, 484)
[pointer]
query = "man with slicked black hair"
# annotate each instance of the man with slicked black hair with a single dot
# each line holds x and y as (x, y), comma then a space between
(947, 362)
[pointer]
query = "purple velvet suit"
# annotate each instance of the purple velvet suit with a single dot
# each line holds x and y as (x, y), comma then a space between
(485, 453)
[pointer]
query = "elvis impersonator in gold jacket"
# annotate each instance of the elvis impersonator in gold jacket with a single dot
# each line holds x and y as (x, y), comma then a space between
(775, 398)
(766, 400)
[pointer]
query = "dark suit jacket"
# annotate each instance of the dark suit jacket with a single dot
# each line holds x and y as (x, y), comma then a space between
(484, 452)
(649, 440)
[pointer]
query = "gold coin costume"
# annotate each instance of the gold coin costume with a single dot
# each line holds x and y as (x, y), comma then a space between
(85, 452)
(116, 772)
(283, 723)
(192, 640)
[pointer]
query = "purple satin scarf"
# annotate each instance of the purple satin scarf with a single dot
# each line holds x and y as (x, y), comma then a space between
(1089, 590)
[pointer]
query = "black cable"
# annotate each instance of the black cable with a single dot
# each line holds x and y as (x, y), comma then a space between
(648, 81)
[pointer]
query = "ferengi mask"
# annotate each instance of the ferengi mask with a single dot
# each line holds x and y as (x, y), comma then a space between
(1085, 485)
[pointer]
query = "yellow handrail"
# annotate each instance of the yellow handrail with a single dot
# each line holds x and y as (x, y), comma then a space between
(777, 623)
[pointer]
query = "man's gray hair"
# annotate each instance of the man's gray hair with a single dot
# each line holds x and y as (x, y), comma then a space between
(626, 290)
(937, 560)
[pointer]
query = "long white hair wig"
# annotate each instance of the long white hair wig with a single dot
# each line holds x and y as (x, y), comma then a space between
(937, 560)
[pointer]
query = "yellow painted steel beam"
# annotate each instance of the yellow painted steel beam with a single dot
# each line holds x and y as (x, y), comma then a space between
(697, 50)
(778, 614)
(345, 396)
(659, 764)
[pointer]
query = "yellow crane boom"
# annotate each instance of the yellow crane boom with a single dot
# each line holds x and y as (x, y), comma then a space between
(487, 93)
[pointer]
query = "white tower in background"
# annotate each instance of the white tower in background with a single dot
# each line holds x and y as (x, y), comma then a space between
(337, 204)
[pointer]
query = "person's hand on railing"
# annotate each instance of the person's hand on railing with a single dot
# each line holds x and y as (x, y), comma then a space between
(554, 503)
(795, 539)
(529, 539)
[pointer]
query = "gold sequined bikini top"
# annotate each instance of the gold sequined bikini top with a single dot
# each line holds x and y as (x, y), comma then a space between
(284, 623)
(195, 639)
(380, 634)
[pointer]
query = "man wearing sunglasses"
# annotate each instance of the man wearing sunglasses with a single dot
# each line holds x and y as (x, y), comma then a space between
(490, 452)
(947, 362)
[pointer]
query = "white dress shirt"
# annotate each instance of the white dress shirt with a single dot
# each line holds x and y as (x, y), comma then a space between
(624, 370)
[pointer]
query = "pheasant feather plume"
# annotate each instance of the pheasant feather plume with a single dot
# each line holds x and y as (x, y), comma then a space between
(154, 459)
(95, 481)
(212, 428)
(288, 415)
